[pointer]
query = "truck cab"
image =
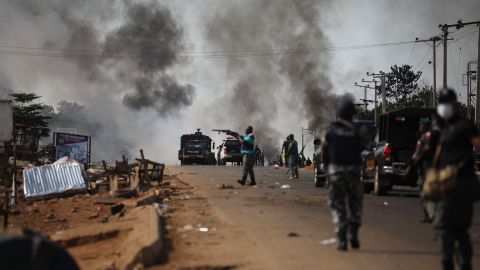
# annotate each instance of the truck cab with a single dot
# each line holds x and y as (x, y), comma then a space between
(196, 148)
(387, 154)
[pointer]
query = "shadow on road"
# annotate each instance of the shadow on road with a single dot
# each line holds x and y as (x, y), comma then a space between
(400, 252)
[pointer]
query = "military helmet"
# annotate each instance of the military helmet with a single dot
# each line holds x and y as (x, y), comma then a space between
(447, 95)
(345, 108)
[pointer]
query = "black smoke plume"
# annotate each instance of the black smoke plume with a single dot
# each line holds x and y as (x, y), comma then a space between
(300, 81)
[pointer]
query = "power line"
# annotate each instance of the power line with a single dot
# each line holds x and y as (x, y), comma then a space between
(84, 53)
(423, 58)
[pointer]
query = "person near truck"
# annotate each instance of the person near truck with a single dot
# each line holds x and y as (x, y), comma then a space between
(292, 154)
(341, 153)
(454, 208)
(248, 155)
(422, 161)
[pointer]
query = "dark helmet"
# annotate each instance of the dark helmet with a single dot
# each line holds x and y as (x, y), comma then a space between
(447, 95)
(249, 130)
(345, 108)
(290, 137)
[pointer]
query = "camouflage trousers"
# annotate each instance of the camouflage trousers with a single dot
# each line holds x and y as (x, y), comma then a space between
(345, 197)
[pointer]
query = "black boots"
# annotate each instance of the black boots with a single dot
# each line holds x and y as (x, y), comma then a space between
(342, 237)
(354, 242)
(342, 240)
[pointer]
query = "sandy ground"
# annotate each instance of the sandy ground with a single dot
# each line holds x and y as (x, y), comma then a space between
(269, 227)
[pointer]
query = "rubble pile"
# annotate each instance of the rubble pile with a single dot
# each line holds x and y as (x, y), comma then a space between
(110, 221)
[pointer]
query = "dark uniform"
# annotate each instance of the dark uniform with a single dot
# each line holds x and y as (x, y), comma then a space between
(292, 157)
(342, 155)
(454, 211)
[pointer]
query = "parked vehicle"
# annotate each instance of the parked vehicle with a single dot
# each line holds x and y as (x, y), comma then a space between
(229, 151)
(386, 156)
(196, 149)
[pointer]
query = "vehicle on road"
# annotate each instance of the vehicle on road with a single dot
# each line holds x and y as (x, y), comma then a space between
(229, 151)
(196, 149)
(386, 156)
(320, 176)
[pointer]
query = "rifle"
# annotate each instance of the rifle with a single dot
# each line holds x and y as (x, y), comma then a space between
(227, 131)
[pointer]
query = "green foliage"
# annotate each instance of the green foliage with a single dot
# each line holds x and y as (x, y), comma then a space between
(402, 84)
(28, 112)
(402, 90)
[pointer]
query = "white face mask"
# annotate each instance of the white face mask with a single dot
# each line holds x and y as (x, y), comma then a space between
(445, 110)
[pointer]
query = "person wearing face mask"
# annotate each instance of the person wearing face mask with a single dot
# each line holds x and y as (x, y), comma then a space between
(454, 209)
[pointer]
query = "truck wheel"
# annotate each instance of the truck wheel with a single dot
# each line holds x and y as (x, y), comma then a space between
(367, 187)
(378, 189)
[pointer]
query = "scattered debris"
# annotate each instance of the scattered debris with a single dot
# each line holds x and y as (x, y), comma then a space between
(223, 186)
(94, 215)
(188, 227)
(285, 186)
(328, 241)
(293, 234)
(385, 203)
(117, 208)
(202, 229)
(65, 174)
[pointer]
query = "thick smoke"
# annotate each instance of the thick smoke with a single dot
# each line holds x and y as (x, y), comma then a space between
(114, 51)
(152, 35)
(297, 80)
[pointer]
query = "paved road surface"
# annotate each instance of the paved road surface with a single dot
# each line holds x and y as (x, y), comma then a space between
(392, 236)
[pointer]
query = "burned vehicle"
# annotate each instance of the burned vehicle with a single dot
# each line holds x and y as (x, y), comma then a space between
(196, 149)
(387, 154)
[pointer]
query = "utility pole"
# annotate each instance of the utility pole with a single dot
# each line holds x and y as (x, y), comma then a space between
(434, 46)
(382, 76)
(445, 40)
(459, 25)
(365, 100)
(477, 99)
(375, 97)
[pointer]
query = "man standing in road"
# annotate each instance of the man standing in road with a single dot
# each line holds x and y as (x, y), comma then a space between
(292, 154)
(341, 153)
(454, 209)
(248, 153)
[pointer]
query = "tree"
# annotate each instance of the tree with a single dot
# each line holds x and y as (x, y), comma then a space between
(27, 112)
(402, 84)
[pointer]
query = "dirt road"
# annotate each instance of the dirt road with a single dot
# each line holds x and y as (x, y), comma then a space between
(270, 227)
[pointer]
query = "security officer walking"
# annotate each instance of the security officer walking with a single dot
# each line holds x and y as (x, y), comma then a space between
(341, 153)
(454, 209)
(292, 156)
(422, 161)
(248, 153)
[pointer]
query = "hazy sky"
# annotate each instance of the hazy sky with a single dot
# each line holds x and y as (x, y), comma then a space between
(339, 23)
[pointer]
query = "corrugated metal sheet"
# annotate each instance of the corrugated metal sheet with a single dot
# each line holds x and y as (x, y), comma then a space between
(54, 178)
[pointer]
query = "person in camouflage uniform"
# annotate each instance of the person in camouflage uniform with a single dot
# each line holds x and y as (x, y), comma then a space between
(341, 153)
(292, 154)
(422, 160)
